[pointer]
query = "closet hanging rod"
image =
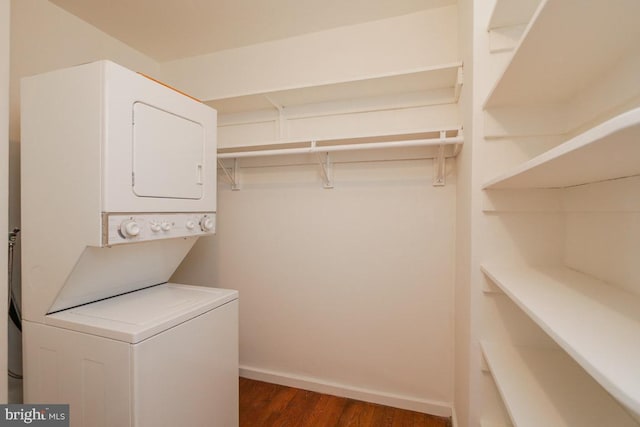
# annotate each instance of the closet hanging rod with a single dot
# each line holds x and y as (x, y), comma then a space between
(314, 148)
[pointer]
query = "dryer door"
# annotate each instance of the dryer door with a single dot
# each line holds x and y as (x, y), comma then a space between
(168, 154)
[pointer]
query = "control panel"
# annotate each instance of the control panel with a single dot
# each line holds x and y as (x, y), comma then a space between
(120, 228)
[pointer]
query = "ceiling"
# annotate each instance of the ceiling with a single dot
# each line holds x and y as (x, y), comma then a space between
(172, 29)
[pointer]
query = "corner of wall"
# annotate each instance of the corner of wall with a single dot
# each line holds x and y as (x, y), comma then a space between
(346, 53)
(462, 290)
(4, 183)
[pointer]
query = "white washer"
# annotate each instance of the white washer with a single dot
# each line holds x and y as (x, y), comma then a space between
(161, 356)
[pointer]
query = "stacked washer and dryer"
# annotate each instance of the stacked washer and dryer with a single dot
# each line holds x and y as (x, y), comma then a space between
(118, 183)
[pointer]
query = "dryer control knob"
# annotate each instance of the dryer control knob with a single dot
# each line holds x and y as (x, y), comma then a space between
(190, 225)
(129, 228)
(155, 227)
(207, 223)
(165, 226)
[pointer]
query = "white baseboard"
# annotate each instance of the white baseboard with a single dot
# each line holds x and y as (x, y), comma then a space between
(441, 409)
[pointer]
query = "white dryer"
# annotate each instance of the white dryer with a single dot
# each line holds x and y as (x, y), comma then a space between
(118, 182)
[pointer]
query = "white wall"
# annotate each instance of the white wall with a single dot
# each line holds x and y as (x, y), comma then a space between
(603, 231)
(392, 45)
(349, 286)
(4, 184)
(349, 290)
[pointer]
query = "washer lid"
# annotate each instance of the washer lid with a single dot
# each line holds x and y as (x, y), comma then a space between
(138, 315)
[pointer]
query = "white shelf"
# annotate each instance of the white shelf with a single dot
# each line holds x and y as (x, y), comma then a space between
(446, 137)
(596, 323)
(446, 76)
(567, 45)
(444, 143)
(544, 387)
(507, 13)
(608, 151)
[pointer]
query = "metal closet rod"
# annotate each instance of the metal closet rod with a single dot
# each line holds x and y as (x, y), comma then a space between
(314, 148)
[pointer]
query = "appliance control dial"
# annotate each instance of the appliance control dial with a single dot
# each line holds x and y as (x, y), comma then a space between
(129, 228)
(122, 228)
(206, 223)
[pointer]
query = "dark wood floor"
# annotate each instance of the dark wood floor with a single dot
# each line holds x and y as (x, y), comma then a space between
(264, 404)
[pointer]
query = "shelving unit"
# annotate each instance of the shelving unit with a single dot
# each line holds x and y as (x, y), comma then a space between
(563, 50)
(258, 124)
(444, 137)
(596, 323)
(507, 13)
(266, 118)
(544, 387)
(607, 151)
(446, 77)
(570, 75)
(446, 142)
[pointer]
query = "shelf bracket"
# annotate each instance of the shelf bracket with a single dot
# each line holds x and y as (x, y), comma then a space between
(281, 118)
(326, 168)
(457, 88)
(458, 147)
(439, 165)
(233, 175)
(484, 366)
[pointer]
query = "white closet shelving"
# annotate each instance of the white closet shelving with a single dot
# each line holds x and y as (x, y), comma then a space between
(594, 322)
(565, 47)
(569, 54)
(508, 22)
(442, 137)
(259, 122)
(507, 13)
(446, 77)
(445, 143)
(399, 91)
(544, 387)
(607, 151)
